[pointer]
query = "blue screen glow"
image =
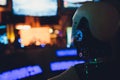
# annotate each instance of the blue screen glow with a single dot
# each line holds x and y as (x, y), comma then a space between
(3, 35)
(66, 52)
(63, 65)
(3, 38)
(20, 73)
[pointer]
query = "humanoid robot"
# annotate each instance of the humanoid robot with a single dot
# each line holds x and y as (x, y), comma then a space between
(94, 31)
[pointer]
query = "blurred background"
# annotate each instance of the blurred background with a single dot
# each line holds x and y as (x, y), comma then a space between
(35, 37)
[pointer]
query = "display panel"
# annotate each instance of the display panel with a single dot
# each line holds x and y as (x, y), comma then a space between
(64, 65)
(21, 73)
(35, 7)
(3, 2)
(76, 3)
(70, 3)
(66, 52)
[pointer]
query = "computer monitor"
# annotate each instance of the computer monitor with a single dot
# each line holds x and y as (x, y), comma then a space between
(37, 8)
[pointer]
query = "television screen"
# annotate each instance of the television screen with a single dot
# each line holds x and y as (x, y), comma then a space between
(3, 2)
(35, 7)
(70, 6)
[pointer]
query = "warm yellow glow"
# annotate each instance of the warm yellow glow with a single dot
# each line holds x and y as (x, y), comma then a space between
(56, 31)
(50, 30)
(35, 36)
(1, 9)
(37, 43)
(12, 36)
(23, 27)
(10, 33)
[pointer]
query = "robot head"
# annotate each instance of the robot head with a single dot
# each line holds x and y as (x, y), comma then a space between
(102, 18)
(94, 23)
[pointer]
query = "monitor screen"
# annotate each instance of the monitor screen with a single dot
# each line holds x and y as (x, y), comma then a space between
(35, 7)
(3, 2)
(73, 3)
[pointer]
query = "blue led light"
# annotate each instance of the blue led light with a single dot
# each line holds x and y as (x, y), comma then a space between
(63, 65)
(66, 52)
(21, 73)
(42, 45)
(3, 39)
(21, 45)
(19, 40)
(2, 26)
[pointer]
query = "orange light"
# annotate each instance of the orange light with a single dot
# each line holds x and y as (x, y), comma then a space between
(10, 33)
(35, 36)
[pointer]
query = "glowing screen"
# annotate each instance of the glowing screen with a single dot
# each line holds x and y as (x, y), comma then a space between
(63, 65)
(66, 52)
(73, 3)
(20, 73)
(3, 2)
(35, 7)
(35, 36)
